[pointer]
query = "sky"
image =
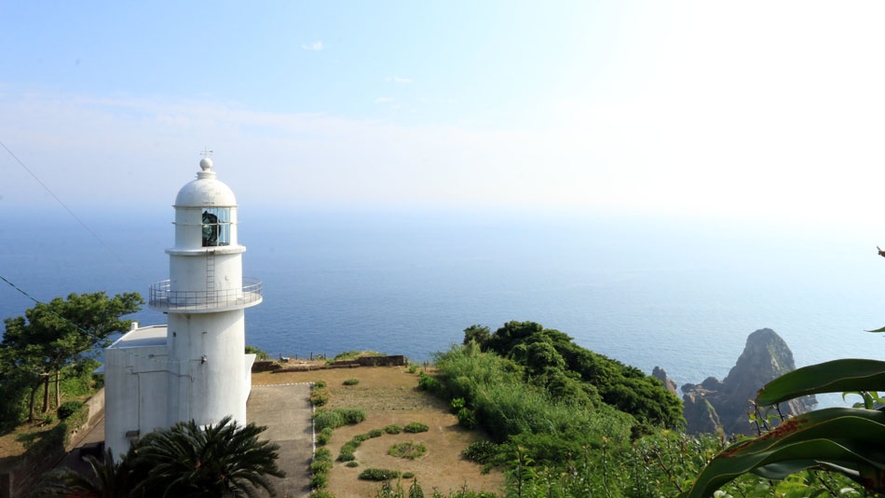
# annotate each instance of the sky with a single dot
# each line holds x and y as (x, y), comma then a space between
(755, 110)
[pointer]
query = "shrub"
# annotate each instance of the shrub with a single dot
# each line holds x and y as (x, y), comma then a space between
(466, 418)
(320, 466)
(480, 451)
(352, 415)
(351, 381)
(319, 397)
(408, 475)
(319, 481)
(68, 408)
(379, 474)
(393, 429)
(428, 383)
(408, 450)
(413, 367)
(331, 419)
(322, 454)
(376, 433)
(321, 494)
(324, 436)
(457, 404)
(359, 438)
(346, 453)
(352, 464)
(320, 384)
(259, 353)
(415, 427)
(338, 417)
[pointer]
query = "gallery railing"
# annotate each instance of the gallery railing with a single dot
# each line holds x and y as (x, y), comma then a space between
(163, 298)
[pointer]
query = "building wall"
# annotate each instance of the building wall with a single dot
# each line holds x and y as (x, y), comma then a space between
(209, 375)
(135, 393)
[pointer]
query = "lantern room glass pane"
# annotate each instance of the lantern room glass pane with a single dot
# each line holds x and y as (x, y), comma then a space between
(216, 227)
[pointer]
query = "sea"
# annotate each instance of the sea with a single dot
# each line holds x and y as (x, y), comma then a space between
(680, 293)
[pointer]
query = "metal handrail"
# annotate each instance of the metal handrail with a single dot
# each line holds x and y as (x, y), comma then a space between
(162, 297)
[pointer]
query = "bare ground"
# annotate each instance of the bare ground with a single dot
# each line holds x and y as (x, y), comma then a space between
(389, 395)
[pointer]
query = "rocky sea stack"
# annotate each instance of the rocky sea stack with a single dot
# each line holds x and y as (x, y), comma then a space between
(712, 404)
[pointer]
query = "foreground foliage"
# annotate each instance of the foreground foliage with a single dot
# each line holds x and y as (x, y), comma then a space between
(848, 441)
(221, 460)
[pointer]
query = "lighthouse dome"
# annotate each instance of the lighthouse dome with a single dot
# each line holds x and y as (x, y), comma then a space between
(206, 190)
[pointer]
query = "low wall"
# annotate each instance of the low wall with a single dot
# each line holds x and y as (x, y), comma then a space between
(364, 361)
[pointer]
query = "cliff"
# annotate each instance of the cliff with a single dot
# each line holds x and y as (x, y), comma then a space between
(712, 404)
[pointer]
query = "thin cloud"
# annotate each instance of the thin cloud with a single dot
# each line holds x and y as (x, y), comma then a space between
(317, 45)
(398, 79)
(384, 100)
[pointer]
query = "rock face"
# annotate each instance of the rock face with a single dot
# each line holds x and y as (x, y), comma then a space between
(669, 383)
(713, 404)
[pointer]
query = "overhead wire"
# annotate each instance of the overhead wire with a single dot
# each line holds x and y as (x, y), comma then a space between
(95, 236)
(65, 206)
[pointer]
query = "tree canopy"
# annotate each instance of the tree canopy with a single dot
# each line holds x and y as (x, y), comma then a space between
(54, 335)
(553, 361)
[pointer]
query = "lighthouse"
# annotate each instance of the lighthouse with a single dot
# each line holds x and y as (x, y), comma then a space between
(195, 367)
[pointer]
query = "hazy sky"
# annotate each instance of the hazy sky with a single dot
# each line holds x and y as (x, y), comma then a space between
(773, 109)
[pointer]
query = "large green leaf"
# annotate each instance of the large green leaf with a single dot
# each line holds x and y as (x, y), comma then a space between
(830, 377)
(846, 440)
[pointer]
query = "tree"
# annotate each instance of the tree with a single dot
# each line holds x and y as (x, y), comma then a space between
(477, 333)
(109, 480)
(57, 334)
(219, 460)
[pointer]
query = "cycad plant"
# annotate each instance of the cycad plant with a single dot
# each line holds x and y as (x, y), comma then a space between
(221, 460)
(109, 480)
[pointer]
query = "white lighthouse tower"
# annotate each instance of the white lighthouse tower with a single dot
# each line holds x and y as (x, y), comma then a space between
(205, 298)
(196, 366)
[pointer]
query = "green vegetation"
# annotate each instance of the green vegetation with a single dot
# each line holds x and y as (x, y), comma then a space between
(351, 381)
(481, 451)
(319, 396)
(319, 469)
(393, 429)
(354, 354)
(567, 422)
(260, 354)
(50, 344)
(379, 474)
(324, 436)
(68, 408)
(185, 460)
(338, 417)
(415, 427)
(408, 449)
(551, 361)
(847, 441)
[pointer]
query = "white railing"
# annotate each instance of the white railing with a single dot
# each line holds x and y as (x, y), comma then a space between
(163, 298)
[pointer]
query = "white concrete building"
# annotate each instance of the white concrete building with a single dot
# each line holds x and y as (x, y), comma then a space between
(194, 367)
